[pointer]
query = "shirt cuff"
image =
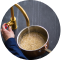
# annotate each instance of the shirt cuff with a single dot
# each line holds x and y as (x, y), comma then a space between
(10, 42)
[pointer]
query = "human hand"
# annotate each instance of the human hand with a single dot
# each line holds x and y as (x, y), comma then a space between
(7, 33)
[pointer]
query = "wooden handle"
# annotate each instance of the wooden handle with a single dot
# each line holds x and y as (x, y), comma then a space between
(48, 50)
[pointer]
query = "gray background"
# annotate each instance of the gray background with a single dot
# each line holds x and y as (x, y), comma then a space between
(39, 14)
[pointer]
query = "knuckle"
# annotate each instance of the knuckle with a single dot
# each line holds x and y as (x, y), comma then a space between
(4, 31)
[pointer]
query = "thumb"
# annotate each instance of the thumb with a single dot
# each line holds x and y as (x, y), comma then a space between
(1, 30)
(9, 28)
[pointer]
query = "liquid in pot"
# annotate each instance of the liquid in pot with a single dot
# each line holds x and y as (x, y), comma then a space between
(33, 41)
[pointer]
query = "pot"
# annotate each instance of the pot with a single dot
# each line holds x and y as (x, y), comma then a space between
(41, 50)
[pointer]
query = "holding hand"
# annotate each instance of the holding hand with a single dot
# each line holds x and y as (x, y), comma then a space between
(7, 33)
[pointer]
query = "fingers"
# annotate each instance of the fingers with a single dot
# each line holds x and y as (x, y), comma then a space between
(9, 28)
(1, 31)
(3, 27)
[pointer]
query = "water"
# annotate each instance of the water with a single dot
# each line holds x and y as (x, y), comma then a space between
(35, 41)
(29, 30)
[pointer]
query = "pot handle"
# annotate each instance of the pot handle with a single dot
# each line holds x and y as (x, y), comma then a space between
(48, 50)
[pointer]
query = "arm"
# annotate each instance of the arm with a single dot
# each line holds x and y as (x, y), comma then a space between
(10, 43)
(13, 48)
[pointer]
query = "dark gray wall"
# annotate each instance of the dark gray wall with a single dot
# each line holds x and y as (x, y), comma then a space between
(39, 14)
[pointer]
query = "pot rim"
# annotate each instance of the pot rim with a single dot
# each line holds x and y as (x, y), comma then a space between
(31, 26)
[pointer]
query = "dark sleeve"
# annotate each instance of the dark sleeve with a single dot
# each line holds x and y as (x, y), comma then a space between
(13, 48)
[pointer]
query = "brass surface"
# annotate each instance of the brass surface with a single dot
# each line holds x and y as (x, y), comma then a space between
(12, 13)
(48, 50)
(12, 21)
(24, 13)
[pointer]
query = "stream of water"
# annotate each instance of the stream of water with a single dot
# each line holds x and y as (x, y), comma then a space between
(29, 30)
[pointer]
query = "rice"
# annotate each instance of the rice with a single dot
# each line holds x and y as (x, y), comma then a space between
(32, 41)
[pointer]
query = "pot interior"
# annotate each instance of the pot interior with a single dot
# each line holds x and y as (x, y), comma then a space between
(37, 29)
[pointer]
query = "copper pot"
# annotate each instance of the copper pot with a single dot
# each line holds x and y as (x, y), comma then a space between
(41, 50)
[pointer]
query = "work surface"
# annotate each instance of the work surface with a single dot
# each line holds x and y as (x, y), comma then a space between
(39, 14)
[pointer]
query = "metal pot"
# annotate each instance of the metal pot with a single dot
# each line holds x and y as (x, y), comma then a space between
(41, 50)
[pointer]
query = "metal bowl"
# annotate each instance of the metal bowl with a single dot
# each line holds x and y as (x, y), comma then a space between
(37, 52)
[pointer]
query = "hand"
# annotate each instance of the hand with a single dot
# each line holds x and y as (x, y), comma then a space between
(7, 33)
